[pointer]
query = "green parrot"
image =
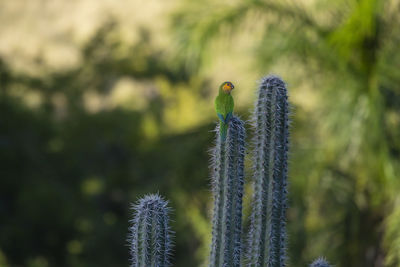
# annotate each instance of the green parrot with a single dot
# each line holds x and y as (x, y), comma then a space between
(224, 107)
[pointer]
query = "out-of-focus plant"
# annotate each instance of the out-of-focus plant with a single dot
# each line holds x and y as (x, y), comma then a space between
(82, 165)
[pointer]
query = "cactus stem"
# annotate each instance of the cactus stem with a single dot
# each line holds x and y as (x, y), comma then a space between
(150, 235)
(227, 185)
(267, 237)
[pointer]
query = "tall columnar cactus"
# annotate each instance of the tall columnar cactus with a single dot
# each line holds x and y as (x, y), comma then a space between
(227, 186)
(150, 235)
(267, 237)
(320, 262)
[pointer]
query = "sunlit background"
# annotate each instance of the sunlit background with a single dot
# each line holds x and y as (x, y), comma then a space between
(103, 101)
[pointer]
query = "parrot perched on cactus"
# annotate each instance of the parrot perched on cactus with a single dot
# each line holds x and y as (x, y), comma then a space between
(224, 107)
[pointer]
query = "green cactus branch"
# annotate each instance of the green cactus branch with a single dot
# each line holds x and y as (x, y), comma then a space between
(227, 185)
(150, 235)
(267, 237)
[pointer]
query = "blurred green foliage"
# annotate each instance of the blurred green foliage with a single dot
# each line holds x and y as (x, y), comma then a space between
(74, 154)
(68, 177)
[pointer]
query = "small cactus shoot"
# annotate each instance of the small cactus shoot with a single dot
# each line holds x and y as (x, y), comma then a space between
(320, 262)
(150, 235)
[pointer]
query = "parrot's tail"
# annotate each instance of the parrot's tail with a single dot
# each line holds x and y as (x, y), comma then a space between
(223, 129)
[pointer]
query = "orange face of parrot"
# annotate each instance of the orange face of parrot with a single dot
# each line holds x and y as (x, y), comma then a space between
(227, 87)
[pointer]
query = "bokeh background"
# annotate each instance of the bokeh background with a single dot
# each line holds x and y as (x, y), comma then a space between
(103, 101)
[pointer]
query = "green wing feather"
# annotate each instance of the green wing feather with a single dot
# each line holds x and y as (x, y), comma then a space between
(224, 107)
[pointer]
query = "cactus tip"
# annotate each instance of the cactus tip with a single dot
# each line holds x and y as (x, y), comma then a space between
(320, 262)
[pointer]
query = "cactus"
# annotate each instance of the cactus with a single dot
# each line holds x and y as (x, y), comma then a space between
(320, 262)
(150, 235)
(227, 187)
(267, 237)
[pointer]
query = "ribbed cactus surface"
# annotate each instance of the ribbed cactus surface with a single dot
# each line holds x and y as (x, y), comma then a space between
(227, 186)
(150, 235)
(267, 236)
(320, 262)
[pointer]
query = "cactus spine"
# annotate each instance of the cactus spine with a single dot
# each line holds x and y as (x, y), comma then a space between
(227, 186)
(320, 262)
(150, 235)
(267, 237)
